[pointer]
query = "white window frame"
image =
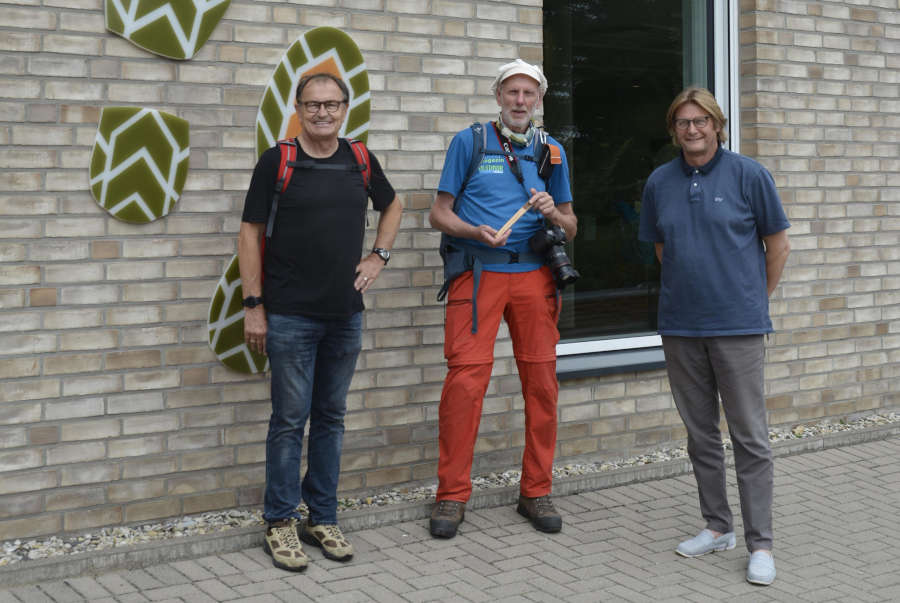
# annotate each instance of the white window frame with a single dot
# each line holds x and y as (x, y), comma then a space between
(726, 43)
(727, 67)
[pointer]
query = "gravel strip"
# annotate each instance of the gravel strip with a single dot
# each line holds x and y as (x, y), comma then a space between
(14, 551)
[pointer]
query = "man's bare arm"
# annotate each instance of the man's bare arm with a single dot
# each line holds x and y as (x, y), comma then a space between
(250, 264)
(777, 250)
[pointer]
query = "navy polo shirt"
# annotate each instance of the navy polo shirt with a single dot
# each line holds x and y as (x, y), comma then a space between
(710, 221)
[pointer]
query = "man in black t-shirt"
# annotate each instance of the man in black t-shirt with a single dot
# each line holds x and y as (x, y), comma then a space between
(306, 313)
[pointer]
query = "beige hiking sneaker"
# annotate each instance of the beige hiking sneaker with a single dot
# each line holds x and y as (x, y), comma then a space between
(329, 538)
(284, 547)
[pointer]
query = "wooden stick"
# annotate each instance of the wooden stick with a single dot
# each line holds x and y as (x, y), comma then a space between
(509, 223)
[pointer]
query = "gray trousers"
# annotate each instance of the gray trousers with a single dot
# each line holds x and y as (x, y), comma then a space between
(701, 369)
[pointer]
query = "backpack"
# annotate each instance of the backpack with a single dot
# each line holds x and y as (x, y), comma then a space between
(288, 148)
(460, 256)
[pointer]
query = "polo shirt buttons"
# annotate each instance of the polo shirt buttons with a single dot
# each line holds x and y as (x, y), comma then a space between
(696, 191)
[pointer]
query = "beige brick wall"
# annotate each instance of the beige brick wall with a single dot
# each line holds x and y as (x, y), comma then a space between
(820, 107)
(112, 407)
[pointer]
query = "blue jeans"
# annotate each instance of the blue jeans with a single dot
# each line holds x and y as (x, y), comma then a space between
(312, 363)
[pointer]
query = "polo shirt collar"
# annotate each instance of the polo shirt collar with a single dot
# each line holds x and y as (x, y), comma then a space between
(704, 169)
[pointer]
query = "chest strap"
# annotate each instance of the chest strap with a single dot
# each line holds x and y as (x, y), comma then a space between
(309, 164)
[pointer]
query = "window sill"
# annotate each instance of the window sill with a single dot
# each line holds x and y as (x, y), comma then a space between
(578, 366)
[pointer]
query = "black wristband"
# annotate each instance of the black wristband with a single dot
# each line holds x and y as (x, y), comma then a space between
(251, 301)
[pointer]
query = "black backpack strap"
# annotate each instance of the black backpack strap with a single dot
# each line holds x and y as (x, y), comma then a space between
(309, 164)
(479, 143)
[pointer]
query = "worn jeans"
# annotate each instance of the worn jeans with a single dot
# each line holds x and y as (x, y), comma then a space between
(312, 363)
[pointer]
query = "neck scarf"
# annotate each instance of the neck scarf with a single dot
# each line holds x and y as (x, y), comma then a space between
(520, 138)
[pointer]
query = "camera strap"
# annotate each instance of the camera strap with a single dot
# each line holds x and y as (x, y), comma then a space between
(510, 155)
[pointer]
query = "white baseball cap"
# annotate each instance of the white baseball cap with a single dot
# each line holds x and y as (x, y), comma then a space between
(520, 67)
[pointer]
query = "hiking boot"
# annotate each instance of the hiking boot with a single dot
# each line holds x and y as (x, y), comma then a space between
(329, 538)
(541, 512)
(282, 545)
(446, 517)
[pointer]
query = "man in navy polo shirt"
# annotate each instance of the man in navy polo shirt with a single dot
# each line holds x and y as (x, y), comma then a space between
(720, 234)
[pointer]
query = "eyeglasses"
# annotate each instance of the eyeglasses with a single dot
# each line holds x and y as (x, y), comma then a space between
(699, 122)
(330, 106)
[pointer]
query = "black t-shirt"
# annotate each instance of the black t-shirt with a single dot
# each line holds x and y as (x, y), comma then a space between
(310, 261)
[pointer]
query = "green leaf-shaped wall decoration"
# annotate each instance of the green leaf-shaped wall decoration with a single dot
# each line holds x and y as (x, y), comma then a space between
(320, 49)
(323, 49)
(139, 162)
(172, 28)
(226, 324)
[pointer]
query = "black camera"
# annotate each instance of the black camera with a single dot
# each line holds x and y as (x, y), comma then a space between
(549, 243)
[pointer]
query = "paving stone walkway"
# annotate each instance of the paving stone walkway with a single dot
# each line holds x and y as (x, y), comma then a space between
(837, 525)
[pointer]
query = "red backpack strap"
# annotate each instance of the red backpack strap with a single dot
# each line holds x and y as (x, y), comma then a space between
(362, 159)
(288, 150)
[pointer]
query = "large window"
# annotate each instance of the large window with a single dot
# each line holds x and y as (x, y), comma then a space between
(613, 68)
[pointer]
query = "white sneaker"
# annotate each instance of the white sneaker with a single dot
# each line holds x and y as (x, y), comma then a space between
(761, 569)
(704, 543)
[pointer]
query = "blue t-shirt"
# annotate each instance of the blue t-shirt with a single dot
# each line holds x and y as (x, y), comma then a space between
(493, 194)
(710, 221)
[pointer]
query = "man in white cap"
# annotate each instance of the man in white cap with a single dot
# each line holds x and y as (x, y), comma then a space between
(494, 273)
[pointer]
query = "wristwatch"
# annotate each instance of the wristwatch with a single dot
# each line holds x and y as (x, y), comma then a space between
(251, 301)
(384, 254)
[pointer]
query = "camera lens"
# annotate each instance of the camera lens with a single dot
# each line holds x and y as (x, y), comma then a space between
(550, 242)
(566, 275)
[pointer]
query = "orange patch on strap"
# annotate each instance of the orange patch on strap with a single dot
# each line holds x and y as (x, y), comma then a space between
(327, 66)
(555, 157)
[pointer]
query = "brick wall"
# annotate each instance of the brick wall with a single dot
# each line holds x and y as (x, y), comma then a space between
(820, 100)
(112, 407)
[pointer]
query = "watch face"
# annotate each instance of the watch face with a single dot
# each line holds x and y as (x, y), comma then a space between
(384, 254)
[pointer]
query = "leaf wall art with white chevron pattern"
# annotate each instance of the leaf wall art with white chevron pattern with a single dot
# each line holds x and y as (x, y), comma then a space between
(172, 28)
(139, 162)
(322, 49)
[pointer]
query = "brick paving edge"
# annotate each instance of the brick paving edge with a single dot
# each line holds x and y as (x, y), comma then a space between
(228, 541)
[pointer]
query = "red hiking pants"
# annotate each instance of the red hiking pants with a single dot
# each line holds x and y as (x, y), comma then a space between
(528, 303)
